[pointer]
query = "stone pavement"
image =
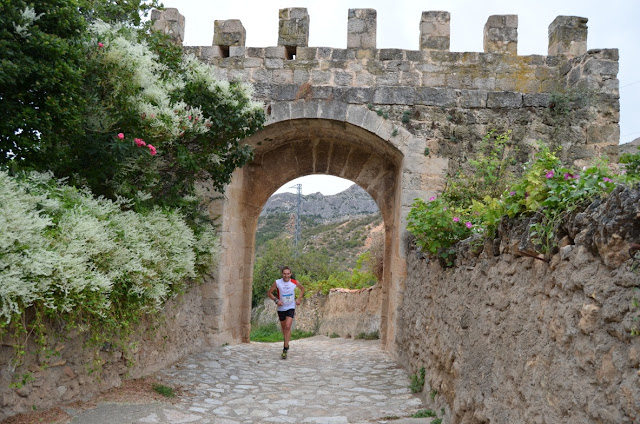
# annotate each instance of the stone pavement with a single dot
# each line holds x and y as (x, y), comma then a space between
(324, 381)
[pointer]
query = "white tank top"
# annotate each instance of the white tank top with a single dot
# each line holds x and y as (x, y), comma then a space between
(286, 293)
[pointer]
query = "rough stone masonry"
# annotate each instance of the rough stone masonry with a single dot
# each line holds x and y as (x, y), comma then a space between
(394, 121)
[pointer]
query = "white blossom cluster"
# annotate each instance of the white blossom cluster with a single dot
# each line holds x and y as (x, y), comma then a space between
(59, 244)
(28, 17)
(155, 86)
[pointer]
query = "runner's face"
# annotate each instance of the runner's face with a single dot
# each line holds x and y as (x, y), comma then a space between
(286, 274)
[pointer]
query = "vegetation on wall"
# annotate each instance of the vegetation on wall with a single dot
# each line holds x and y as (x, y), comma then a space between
(475, 202)
(105, 128)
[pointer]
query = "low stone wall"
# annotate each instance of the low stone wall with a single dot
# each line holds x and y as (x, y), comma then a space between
(66, 377)
(507, 338)
(347, 313)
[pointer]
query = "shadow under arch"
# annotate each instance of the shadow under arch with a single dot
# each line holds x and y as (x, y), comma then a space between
(283, 151)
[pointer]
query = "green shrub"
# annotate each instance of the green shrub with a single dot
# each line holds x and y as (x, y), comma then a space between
(90, 262)
(374, 335)
(547, 188)
(417, 381)
(424, 413)
(165, 391)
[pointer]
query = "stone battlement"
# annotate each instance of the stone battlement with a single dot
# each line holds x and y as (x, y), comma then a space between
(567, 34)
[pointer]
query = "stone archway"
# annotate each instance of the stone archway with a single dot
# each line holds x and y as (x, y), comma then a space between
(331, 138)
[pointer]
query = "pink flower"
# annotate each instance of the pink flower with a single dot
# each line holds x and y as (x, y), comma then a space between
(139, 142)
(550, 174)
(152, 149)
(189, 117)
(431, 199)
(121, 136)
(567, 176)
(100, 45)
(468, 224)
(609, 180)
(456, 219)
(512, 193)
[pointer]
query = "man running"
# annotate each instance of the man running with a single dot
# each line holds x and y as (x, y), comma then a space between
(286, 300)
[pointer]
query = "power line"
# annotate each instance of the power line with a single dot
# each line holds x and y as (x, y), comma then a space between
(296, 235)
(627, 85)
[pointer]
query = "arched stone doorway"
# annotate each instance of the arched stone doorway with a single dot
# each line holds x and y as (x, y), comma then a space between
(366, 152)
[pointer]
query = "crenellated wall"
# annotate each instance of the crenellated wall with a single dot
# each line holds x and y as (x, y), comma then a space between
(394, 121)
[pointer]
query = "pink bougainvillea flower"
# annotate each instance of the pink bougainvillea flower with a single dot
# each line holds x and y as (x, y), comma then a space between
(100, 45)
(121, 136)
(609, 180)
(152, 149)
(468, 224)
(431, 199)
(550, 174)
(456, 219)
(139, 142)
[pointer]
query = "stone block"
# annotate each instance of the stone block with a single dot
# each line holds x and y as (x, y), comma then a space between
(361, 29)
(334, 110)
(435, 31)
(501, 34)
(601, 67)
(322, 92)
(280, 112)
(228, 33)
(356, 114)
(536, 99)
(568, 36)
(236, 51)
(282, 76)
(255, 52)
(169, 22)
(320, 77)
(278, 52)
(429, 96)
(473, 98)
(284, 92)
(207, 53)
(274, 63)
(391, 54)
(502, 99)
(342, 78)
(293, 28)
(394, 95)
(306, 53)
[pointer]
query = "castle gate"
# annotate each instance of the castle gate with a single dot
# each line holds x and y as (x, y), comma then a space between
(396, 122)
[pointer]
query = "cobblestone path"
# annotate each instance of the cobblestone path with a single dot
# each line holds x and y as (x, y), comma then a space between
(324, 381)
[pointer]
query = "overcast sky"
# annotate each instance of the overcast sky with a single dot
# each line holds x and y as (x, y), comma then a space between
(612, 24)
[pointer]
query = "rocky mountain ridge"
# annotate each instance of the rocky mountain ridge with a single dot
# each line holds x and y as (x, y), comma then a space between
(350, 203)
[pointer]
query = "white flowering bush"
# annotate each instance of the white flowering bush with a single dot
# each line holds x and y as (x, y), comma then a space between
(66, 252)
(160, 120)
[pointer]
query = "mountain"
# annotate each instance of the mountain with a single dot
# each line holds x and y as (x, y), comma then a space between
(350, 203)
(341, 226)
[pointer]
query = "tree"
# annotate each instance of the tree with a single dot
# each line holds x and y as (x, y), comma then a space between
(115, 107)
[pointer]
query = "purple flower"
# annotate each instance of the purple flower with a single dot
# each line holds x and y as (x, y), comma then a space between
(550, 174)
(456, 219)
(567, 176)
(609, 180)
(512, 193)
(468, 224)
(431, 199)
(526, 194)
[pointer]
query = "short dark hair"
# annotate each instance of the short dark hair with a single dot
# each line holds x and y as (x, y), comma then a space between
(285, 267)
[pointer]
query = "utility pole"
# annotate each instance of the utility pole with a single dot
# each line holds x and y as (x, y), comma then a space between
(296, 235)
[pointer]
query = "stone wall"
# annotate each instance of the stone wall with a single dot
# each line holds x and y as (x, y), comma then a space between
(347, 313)
(67, 377)
(507, 338)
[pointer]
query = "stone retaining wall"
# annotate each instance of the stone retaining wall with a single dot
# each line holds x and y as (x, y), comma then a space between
(51, 381)
(342, 312)
(506, 338)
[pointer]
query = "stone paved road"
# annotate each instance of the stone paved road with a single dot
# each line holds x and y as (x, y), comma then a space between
(324, 381)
